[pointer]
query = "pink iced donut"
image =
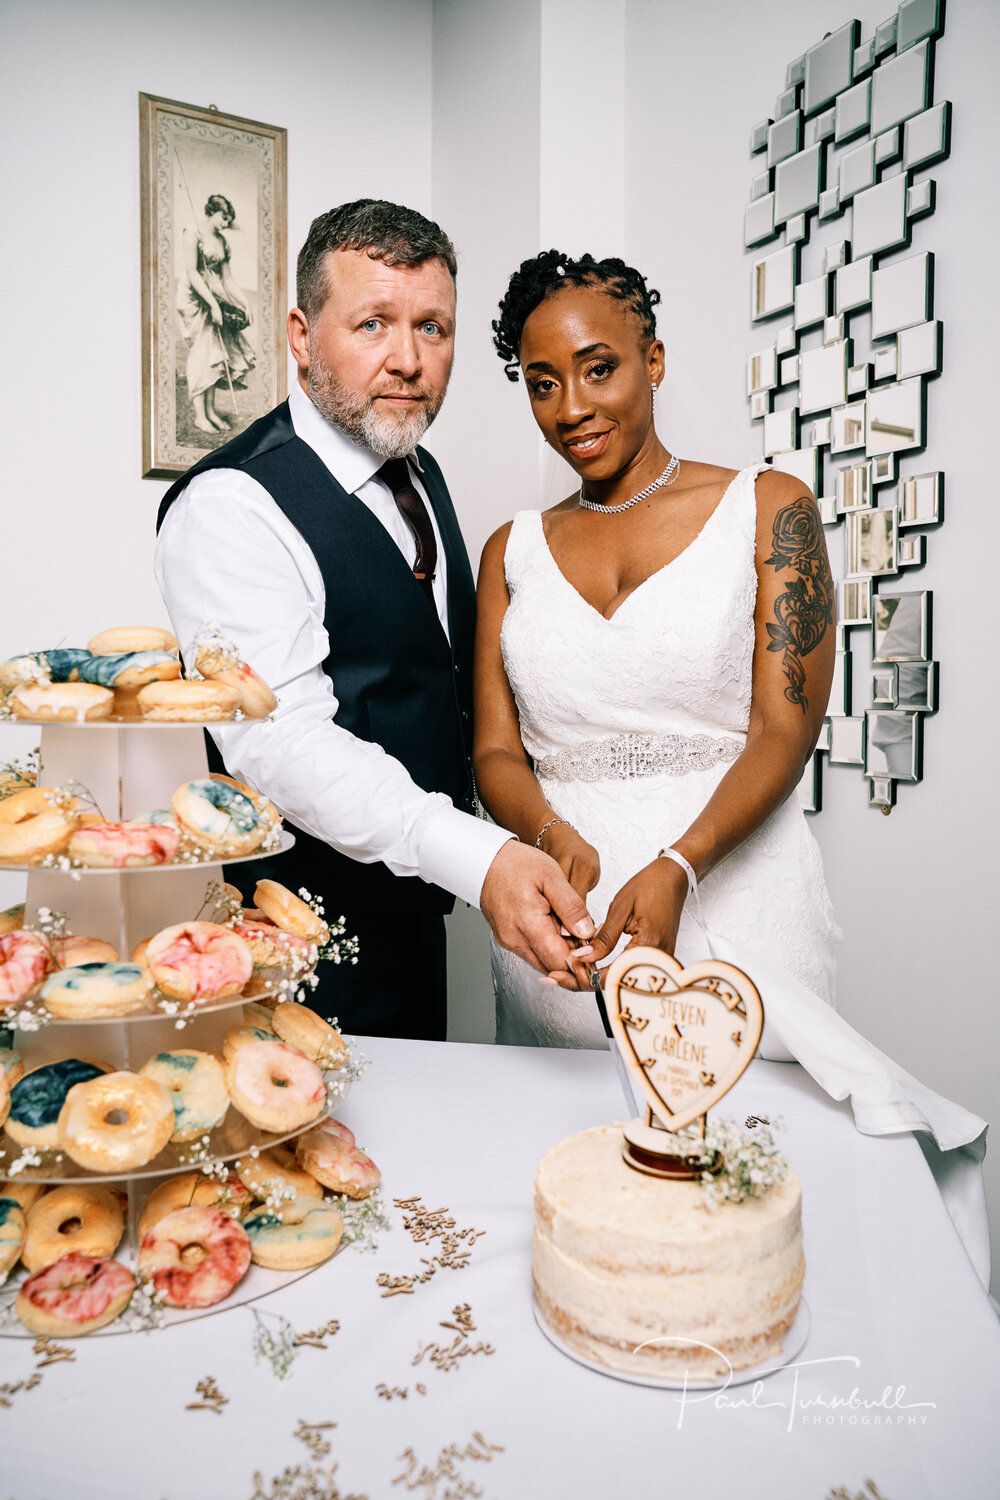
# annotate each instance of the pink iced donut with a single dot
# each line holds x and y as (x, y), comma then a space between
(199, 961)
(275, 1087)
(329, 1153)
(24, 961)
(195, 1256)
(120, 845)
(75, 1295)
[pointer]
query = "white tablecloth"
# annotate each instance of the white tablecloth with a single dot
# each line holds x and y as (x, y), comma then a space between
(896, 1384)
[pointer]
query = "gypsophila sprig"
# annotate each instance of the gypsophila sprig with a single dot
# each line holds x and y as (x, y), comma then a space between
(751, 1163)
(51, 924)
(274, 1344)
(222, 904)
(18, 775)
(363, 1218)
(209, 637)
(146, 1309)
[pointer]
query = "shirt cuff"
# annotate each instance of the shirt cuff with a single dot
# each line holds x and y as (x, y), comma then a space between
(456, 851)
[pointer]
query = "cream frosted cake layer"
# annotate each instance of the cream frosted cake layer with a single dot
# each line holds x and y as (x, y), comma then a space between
(621, 1258)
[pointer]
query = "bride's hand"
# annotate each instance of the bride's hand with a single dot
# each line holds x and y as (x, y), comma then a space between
(578, 860)
(648, 907)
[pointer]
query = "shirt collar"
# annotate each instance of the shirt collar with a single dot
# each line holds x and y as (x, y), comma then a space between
(350, 463)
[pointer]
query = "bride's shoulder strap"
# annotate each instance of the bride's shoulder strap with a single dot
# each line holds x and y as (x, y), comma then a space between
(522, 543)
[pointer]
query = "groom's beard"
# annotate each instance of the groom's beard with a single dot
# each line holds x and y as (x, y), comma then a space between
(390, 434)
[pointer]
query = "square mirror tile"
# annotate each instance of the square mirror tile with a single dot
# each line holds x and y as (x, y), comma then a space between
(830, 67)
(840, 687)
(760, 405)
(917, 19)
(854, 285)
(797, 183)
(835, 255)
(823, 377)
(882, 792)
(773, 282)
(789, 369)
(853, 111)
(884, 363)
(829, 203)
(885, 37)
(857, 170)
(895, 417)
(901, 294)
(808, 789)
(887, 147)
(786, 339)
(926, 136)
(847, 742)
(892, 745)
(853, 488)
(901, 624)
(899, 88)
(819, 433)
(917, 686)
(864, 57)
(871, 542)
(826, 124)
(884, 468)
(786, 102)
(828, 509)
(795, 72)
(811, 302)
(918, 350)
(910, 552)
(880, 216)
(784, 138)
(858, 377)
(833, 329)
(884, 686)
(760, 186)
(762, 373)
(920, 500)
(781, 431)
(854, 601)
(847, 427)
(802, 463)
(758, 136)
(795, 229)
(823, 739)
(758, 220)
(920, 199)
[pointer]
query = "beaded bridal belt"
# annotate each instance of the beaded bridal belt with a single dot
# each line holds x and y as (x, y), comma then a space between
(624, 756)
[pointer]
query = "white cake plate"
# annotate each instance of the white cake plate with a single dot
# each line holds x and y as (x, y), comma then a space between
(792, 1344)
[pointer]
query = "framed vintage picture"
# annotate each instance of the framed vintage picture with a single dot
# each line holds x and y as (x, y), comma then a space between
(213, 278)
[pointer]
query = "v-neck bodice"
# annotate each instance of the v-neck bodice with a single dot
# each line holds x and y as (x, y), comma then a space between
(675, 657)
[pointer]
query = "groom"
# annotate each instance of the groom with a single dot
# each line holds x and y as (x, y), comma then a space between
(324, 543)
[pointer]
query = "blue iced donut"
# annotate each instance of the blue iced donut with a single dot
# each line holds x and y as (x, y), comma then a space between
(307, 1233)
(197, 1088)
(11, 1233)
(35, 1102)
(64, 662)
(219, 817)
(91, 992)
(129, 668)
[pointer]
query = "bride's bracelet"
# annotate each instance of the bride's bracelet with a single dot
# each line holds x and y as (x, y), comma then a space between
(688, 869)
(551, 824)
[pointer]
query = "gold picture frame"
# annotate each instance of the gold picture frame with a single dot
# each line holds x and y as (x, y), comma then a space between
(214, 256)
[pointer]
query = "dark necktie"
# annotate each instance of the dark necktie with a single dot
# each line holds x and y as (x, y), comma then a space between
(396, 474)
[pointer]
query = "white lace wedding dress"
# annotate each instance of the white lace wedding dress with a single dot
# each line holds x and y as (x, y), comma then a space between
(666, 679)
(664, 686)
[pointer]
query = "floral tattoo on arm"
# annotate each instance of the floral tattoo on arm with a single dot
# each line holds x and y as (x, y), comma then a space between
(805, 609)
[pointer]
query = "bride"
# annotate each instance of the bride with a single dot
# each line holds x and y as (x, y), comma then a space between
(653, 664)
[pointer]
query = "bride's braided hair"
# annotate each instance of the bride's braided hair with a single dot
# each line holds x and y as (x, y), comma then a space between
(536, 279)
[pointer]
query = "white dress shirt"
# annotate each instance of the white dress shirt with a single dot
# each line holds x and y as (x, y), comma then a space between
(228, 555)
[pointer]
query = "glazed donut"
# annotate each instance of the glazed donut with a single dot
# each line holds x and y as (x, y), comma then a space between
(25, 959)
(267, 809)
(11, 1064)
(61, 702)
(274, 1175)
(71, 951)
(92, 992)
(286, 910)
(35, 1102)
(275, 1087)
(239, 1036)
(329, 1153)
(269, 945)
(258, 1014)
(129, 669)
(305, 1234)
(218, 817)
(72, 1221)
(197, 1087)
(36, 822)
(182, 702)
(117, 846)
(132, 638)
(302, 1028)
(11, 1233)
(12, 919)
(4, 1096)
(193, 1190)
(16, 671)
(94, 1140)
(198, 961)
(195, 1256)
(76, 1295)
(255, 697)
(24, 1193)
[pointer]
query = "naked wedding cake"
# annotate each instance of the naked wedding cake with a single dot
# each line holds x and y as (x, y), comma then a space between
(623, 1260)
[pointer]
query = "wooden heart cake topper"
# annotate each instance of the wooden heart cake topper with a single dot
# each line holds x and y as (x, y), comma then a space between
(686, 1034)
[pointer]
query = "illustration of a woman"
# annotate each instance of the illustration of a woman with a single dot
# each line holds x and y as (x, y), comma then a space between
(214, 312)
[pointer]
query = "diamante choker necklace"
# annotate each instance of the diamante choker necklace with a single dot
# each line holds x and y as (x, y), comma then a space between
(668, 476)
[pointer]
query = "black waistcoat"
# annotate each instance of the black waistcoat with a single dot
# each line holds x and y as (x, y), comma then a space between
(398, 682)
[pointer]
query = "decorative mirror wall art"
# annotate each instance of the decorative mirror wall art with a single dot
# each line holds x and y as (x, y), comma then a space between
(846, 346)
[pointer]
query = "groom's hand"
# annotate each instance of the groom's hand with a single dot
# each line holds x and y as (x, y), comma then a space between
(526, 898)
